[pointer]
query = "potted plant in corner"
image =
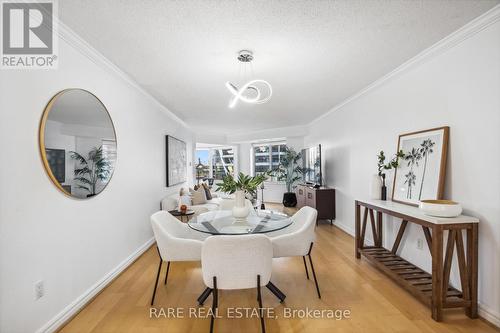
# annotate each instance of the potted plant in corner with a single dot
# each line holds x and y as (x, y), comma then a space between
(244, 185)
(93, 169)
(290, 172)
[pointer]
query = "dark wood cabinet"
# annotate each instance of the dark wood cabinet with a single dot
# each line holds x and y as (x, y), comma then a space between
(321, 198)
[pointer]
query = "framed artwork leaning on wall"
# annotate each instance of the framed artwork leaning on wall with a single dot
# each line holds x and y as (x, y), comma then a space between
(422, 172)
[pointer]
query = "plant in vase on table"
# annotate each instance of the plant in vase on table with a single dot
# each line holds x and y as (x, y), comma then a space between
(378, 188)
(290, 172)
(241, 187)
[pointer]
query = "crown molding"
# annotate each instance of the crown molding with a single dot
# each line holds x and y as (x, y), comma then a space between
(71, 38)
(470, 29)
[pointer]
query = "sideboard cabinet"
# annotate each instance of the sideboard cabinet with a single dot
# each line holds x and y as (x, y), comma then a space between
(321, 198)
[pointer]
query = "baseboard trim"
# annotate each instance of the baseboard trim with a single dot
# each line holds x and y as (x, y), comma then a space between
(484, 312)
(77, 305)
(488, 315)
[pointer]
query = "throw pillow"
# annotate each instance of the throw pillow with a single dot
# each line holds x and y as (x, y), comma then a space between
(199, 196)
(207, 191)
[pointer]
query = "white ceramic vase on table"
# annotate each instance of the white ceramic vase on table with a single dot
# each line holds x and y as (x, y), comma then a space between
(240, 210)
(376, 187)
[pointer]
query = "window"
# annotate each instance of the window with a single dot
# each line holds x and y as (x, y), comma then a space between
(222, 162)
(267, 156)
(214, 163)
(202, 167)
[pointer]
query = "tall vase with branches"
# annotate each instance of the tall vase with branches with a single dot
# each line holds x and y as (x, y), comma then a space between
(92, 169)
(242, 186)
(383, 167)
(290, 172)
(425, 151)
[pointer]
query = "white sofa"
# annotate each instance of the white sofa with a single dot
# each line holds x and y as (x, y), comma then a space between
(172, 201)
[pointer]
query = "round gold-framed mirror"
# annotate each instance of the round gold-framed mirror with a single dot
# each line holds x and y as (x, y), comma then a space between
(77, 141)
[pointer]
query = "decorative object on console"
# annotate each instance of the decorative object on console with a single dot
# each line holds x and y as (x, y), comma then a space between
(379, 185)
(76, 133)
(422, 174)
(440, 208)
(250, 92)
(176, 156)
(376, 187)
(290, 172)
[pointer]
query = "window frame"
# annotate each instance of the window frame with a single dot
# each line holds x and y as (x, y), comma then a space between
(269, 155)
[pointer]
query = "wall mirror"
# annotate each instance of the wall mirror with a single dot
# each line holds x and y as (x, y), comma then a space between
(78, 143)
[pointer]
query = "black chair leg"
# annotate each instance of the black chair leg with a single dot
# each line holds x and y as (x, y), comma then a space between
(204, 295)
(278, 293)
(259, 299)
(215, 302)
(166, 274)
(156, 282)
(305, 266)
(314, 273)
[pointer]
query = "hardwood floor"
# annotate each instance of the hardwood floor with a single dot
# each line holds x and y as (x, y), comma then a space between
(376, 304)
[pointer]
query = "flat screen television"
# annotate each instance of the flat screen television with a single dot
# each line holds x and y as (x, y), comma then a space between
(311, 164)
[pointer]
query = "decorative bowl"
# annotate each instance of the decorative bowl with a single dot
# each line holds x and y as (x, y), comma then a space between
(440, 208)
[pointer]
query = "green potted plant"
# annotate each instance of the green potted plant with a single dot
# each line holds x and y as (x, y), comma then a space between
(290, 172)
(92, 169)
(241, 187)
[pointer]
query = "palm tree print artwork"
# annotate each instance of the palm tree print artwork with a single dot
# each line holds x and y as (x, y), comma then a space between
(412, 157)
(410, 181)
(425, 151)
(420, 175)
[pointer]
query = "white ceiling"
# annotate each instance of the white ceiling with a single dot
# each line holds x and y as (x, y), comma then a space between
(314, 53)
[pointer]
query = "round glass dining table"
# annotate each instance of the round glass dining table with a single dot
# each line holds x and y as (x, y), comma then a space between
(222, 222)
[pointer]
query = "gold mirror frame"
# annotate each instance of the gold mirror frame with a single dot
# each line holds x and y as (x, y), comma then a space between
(41, 140)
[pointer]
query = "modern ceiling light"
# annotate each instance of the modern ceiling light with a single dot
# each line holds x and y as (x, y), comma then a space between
(250, 92)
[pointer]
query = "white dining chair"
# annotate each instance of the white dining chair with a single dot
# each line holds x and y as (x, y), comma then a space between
(175, 241)
(228, 204)
(298, 239)
(236, 262)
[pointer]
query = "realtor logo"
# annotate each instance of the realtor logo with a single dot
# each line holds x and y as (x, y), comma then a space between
(28, 34)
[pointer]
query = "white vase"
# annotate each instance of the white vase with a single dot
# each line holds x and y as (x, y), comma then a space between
(240, 210)
(376, 187)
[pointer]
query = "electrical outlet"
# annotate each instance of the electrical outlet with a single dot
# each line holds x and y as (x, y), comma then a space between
(39, 290)
(420, 244)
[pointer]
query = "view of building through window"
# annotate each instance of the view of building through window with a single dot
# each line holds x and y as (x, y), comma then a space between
(267, 156)
(214, 163)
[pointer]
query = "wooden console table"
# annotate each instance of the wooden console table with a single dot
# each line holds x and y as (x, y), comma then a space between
(432, 289)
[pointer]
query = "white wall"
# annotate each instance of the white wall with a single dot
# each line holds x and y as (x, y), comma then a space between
(459, 87)
(72, 245)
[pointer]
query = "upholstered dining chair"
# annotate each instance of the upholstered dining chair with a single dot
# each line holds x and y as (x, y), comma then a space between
(175, 241)
(298, 239)
(236, 262)
(228, 204)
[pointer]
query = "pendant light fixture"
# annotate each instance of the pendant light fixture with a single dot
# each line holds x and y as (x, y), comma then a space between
(255, 91)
